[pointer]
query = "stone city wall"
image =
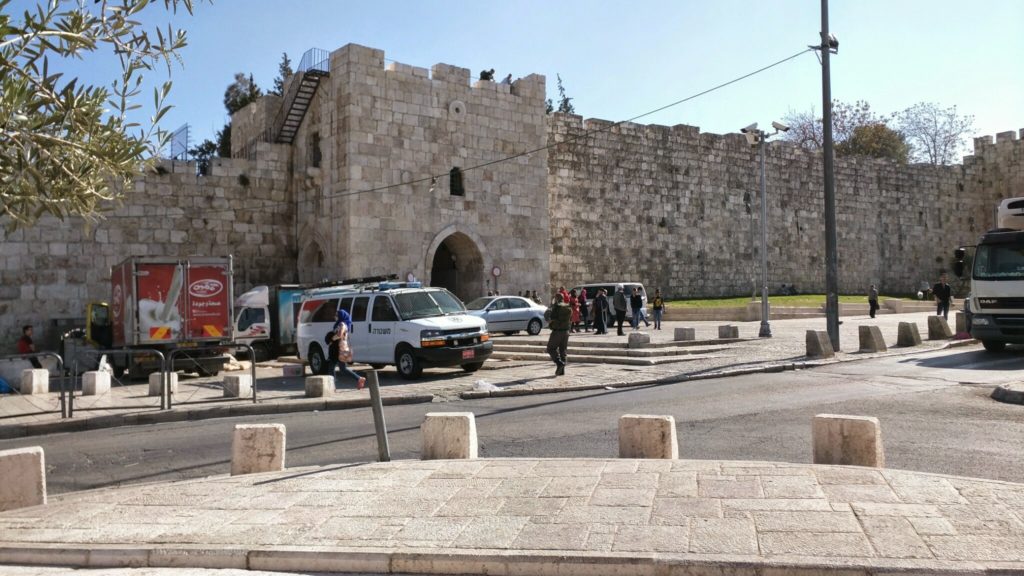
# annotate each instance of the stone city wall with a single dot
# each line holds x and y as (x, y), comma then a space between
(665, 206)
(52, 269)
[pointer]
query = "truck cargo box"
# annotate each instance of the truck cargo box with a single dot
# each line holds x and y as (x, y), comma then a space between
(162, 301)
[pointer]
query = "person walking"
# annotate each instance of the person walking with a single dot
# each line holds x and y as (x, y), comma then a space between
(600, 306)
(339, 354)
(574, 305)
(636, 304)
(659, 308)
(584, 309)
(26, 346)
(872, 301)
(619, 302)
(943, 293)
(560, 321)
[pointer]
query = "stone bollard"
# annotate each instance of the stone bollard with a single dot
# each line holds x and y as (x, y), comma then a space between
(156, 383)
(728, 331)
(95, 383)
(938, 328)
(22, 478)
(686, 334)
(847, 440)
(908, 335)
(961, 323)
(257, 448)
(238, 385)
(639, 340)
(871, 339)
(819, 345)
(449, 436)
(319, 386)
(648, 437)
(35, 381)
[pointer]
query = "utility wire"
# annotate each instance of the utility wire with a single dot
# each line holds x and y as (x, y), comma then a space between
(571, 139)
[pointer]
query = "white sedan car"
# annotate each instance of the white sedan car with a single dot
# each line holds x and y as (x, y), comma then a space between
(509, 314)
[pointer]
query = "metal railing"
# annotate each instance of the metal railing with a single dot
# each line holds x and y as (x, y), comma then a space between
(182, 352)
(165, 396)
(315, 60)
(60, 377)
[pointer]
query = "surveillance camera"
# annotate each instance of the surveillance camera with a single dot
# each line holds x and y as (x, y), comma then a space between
(780, 126)
(749, 129)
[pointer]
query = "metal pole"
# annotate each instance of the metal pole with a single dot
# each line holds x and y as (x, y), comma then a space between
(383, 450)
(831, 253)
(766, 330)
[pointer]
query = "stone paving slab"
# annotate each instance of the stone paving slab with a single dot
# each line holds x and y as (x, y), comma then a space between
(127, 403)
(537, 516)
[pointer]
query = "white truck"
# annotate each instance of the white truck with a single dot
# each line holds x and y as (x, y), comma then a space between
(995, 307)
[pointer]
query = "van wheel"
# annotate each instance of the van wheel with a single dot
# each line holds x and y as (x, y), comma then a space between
(377, 366)
(533, 328)
(472, 367)
(408, 365)
(317, 364)
(993, 346)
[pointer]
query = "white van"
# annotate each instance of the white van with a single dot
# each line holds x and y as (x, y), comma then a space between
(402, 324)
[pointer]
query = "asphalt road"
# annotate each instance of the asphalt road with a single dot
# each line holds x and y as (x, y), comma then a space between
(934, 409)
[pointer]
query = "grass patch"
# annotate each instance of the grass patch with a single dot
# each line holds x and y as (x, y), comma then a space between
(800, 300)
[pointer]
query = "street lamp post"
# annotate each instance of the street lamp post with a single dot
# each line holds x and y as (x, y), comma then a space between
(760, 139)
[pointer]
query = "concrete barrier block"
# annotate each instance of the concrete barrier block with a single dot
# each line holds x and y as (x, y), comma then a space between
(819, 345)
(961, 322)
(938, 328)
(907, 334)
(35, 381)
(683, 334)
(238, 385)
(319, 386)
(95, 383)
(871, 339)
(639, 340)
(22, 478)
(847, 440)
(728, 331)
(156, 383)
(643, 436)
(449, 436)
(294, 370)
(257, 448)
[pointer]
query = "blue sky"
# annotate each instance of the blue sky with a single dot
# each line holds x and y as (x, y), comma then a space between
(621, 59)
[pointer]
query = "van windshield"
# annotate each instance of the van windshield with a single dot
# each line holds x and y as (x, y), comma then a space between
(999, 262)
(421, 304)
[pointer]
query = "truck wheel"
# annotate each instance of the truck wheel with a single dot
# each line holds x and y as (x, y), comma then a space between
(206, 372)
(993, 346)
(533, 328)
(472, 367)
(262, 351)
(317, 363)
(377, 366)
(408, 365)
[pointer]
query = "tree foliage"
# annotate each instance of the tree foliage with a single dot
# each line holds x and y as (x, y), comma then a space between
(924, 132)
(66, 145)
(564, 102)
(241, 93)
(936, 135)
(284, 71)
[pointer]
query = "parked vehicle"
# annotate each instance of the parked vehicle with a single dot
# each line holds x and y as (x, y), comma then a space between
(166, 304)
(395, 323)
(610, 288)
(509, 314)
(995, 308)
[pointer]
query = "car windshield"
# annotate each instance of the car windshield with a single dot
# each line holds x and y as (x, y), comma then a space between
(479, 303)
(999, 262)
(422, 304)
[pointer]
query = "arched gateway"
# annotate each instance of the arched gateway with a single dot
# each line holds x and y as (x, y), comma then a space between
(456, 263)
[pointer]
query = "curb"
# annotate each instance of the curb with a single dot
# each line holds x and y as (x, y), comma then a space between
(431, 561)
(183, 415)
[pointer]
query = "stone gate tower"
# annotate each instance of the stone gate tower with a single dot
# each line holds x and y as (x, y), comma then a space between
(391, 173)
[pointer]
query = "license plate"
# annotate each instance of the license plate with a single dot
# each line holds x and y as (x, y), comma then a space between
(467, 354)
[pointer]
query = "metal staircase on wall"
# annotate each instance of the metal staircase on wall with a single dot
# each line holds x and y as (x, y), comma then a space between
(315, 65)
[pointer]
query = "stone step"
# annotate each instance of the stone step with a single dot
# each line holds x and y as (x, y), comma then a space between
(583, 341)
(596, 359)
(622, 353)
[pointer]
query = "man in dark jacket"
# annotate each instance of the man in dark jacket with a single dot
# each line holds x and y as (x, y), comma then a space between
(600, 307)
(619, 302)
(558, 342)
(943, 293)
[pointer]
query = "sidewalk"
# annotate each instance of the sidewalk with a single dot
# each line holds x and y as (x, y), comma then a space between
(539, 517)
(200, 398)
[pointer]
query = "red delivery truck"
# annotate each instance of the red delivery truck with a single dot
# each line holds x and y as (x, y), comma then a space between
(166, 304)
